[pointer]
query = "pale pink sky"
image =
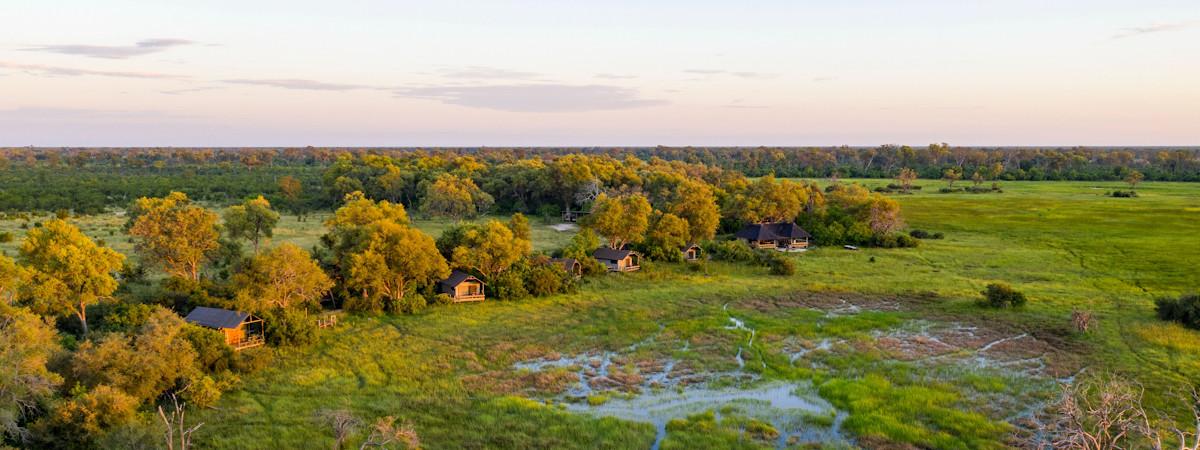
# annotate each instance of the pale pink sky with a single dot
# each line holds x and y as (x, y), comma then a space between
(231, 73)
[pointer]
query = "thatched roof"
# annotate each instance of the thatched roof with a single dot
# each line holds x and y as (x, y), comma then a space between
(772, 232)
(216, 317)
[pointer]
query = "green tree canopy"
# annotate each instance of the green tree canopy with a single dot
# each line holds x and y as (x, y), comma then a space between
(621, 220)
(174, 233)
(282, 277)
(67, 270)
(252, 220)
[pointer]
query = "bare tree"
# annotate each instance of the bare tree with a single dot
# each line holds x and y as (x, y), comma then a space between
(386, 431)
(1106, 413)
(1082, 320)
(177, 430)
(343, 424)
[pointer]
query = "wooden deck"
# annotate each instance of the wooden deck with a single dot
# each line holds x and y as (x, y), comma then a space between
(469, 298)
(249, 342)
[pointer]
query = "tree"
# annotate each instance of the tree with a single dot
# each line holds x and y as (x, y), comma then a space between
(906, 178)
(1133, 178)
(387, 431)
(282, 277)
(394, 258)
(12, 278)
(82, 420)
(666, 238)
(621, 220)
(519, 224)
(884, 215)
(951, 176)
(291, 189)
(349, 228)
(488, 249)
(694, 202)
(768, 200)
(174, 233)
(177, 430)
(454, 197)
(26, 344)
(977, 179)
(251, 220)
(342, 423)
(67, 270)
(1105, 412)
(156, 359)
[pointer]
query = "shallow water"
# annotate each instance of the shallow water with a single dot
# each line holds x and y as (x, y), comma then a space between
(784, 405)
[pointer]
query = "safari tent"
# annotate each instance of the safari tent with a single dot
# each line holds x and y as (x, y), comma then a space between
(782, 236)
(241, 329)
(618, 260)
(462, 287)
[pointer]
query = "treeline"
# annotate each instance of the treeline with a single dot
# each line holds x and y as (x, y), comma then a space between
(88, 179)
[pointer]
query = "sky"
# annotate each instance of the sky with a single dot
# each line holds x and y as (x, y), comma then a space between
(612, 73)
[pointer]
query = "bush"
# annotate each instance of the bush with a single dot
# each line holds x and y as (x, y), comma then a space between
(1185, 310)
(922, 234)
(893, 241)
(546, 279)
(6, 237)
(733, 251)
(410, 303)
(212, 354)
(1001, 295)
(781, 266)
(947, 190)
(1123, 194)
(290, 326)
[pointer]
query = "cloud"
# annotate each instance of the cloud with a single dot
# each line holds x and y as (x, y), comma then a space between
(74, 115)
(190, 90)
(300, 84)
(486, 73)
(140, 48)
(1154, 28)
(739, 74)
(614, 76)
(543, 97)
(39, 69)
(823, 79)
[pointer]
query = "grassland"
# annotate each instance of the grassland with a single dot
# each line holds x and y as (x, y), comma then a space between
(867, 322)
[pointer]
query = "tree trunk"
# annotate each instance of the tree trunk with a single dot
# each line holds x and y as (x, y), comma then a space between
(83, 317)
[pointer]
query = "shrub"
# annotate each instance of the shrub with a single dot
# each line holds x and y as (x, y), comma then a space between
(922, 234)
(781, 266)
(212, 354)
(1001, 295)
(733, 251)
(546, 279)
(443, 299)
(6, 237)
(408, 304)
(947, 190)
(1185, 310)
(1123, 194)
(290, 326)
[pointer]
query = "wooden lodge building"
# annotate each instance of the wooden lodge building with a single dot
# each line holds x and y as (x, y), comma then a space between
(242, 330)
(618, 260)
(462, 287)
(783, 236)
(691, 252)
